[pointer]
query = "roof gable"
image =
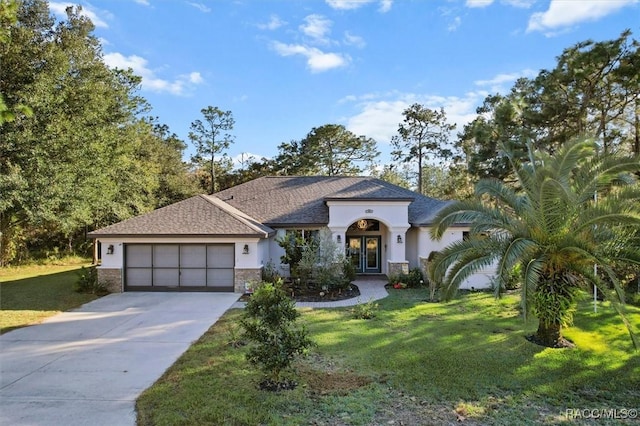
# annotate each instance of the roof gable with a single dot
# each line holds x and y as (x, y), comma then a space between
(195, 216)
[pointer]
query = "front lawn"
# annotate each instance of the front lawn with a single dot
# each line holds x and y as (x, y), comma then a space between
(30, 294)
(415, 363)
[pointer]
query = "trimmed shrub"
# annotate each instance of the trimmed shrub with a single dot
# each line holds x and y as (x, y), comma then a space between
(275, 340)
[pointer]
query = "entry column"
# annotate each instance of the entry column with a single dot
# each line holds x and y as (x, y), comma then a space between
(397, 251)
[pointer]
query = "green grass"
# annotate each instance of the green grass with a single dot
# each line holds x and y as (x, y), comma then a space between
(414, 363)
(30, 294)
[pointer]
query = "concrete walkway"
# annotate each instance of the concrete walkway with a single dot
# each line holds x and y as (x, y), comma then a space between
(88, 366)
(371, 288)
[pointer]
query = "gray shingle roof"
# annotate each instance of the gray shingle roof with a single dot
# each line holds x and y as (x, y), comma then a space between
(254, 207)
(196, 216)
(299, 200)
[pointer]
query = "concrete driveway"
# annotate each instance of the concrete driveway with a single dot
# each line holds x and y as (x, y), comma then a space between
(88, 366)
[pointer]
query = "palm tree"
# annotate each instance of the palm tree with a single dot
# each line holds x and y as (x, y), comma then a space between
(571, 211)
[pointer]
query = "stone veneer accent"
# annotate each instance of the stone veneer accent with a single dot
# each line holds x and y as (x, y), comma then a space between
(397, 268)
(243, 276)
(111, 278)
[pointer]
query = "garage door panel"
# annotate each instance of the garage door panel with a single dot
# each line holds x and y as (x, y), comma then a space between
(193, 256)
(193, 277)
(221, 256)
(220, 278)
(166, 277)
(166, 256)
(139, 255)
(139, 277)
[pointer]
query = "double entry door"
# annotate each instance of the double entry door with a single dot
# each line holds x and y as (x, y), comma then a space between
(364, 252)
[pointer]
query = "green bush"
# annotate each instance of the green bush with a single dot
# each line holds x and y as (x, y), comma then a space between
(323, 263)
(269, 323)
(513, 279)
(349, 271)
(365, 310)
(270, 273)
(414, 279)
(88, 282)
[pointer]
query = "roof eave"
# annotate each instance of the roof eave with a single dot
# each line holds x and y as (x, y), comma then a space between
(400, 200)
(178, 236)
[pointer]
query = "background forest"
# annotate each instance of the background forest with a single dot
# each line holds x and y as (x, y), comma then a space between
(79, 148)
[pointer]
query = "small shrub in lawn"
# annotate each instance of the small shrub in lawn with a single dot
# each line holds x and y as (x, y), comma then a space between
(365, 310)
(275, 340)
(88, 282)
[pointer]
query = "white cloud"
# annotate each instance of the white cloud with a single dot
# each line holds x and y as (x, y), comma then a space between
(201, 7)
(563, 14)
(150, 81)
(274, 23)
(455, 24)
(478, 3)
(143, 2)
(317, 27)
(347, 4)
(59, 9)
(378, 119)
(195, 78)
(523, 4)
(244, 159)
(385, 5)
(380, 115)
(317, 60)
(354, 40)
(497, 83)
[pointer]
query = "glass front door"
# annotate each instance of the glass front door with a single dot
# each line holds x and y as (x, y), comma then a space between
(364, 253)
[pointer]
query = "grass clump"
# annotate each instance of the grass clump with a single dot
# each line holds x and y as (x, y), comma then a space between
(365, 310)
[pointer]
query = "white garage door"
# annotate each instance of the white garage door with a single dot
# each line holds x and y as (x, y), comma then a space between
(182, 267)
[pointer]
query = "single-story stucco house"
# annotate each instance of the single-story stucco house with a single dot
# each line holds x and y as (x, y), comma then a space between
(221, 242)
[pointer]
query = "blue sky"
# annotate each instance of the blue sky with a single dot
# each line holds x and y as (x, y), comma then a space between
(283, 67)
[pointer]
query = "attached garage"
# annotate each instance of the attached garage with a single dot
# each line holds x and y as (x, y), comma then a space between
(179, 267)
(198, 244)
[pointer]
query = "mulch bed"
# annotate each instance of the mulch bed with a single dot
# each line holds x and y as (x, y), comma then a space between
(315, 295)
(303, 294)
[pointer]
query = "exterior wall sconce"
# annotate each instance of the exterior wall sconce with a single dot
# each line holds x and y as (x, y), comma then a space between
(245, 249)
(339, 239)
(399, 239)
(110, 249)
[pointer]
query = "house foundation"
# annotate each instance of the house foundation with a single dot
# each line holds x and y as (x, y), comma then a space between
(111, 278)
(246, 276)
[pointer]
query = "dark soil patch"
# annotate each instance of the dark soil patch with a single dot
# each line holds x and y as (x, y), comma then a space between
(323, 376)
(562, 343)
(273, 386)
(305, 294)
